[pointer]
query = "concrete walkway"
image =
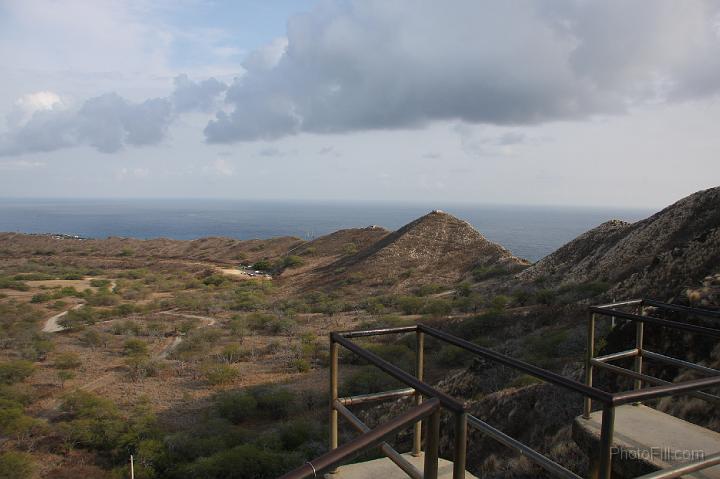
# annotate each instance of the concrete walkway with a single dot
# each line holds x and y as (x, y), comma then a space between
(646, 440)
(386, 469)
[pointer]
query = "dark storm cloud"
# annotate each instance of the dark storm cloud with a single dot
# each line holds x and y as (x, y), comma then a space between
(356, 65)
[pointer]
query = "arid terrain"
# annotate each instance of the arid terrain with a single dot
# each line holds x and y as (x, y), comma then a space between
(208, 358)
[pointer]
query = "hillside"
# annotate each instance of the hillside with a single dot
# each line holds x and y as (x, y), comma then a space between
(434, 249)
(205, 249)
(673, 249)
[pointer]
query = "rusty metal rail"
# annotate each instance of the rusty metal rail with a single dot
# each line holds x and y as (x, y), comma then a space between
(376, 437)
(419, 389)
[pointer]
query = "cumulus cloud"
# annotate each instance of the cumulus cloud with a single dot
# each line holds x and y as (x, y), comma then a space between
(196, 96)
(356, 65)
(42, 122)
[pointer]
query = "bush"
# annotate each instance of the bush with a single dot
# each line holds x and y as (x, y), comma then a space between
(300, 365)
(7, 283)
(67, 360)
(262, 265)
(546, 296)
(12, 372)
(140, 367)
(273, 402)
(100, 283)
(233, 353)
(214, 280)
(236, 406)
(481, 273)
(292, 262)
(218, 374)
(411, 304)
(250, 459)
(135, 347)
(349, 249)
(16, 465)
(452, 356)
(269, 323)
(368, 380)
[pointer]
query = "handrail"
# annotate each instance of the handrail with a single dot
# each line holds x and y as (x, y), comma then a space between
(538, 372)
(657, 321)
(683, 309)
(362, 443)
(394, 371)
(462, 419)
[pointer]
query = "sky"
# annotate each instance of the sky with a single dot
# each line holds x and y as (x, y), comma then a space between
(544, 102)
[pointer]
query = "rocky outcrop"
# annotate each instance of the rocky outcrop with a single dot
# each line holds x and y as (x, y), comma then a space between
(659, 256)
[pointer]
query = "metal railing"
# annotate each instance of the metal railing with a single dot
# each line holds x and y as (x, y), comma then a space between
(462, 419)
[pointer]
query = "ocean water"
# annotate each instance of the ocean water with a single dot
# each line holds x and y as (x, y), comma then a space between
(528, 231)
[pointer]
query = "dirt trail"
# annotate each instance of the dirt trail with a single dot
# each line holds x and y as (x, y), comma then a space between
(209, 321)
(52, 326)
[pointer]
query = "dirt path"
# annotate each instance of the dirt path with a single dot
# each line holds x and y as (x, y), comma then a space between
(52, 326)
(209, 321)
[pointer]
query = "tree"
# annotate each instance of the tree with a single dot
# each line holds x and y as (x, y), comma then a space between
(16, 465)
(68, 360)
(12, 372)
(135, 347)
(64, 376)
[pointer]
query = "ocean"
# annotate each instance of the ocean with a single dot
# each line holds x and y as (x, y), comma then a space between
(530, 232)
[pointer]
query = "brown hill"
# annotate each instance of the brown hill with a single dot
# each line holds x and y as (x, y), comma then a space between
(659, 256)
(341, 242)
(434, 249)
(207, 249)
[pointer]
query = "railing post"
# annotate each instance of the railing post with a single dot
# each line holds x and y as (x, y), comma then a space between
(334, 349)
(590, 354)
(606, 437)
(432, 444)
(419, 367)
(460, 445)
(639, 333)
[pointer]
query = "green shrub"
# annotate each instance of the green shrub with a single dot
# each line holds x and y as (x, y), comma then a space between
(262, 265)
(135, 347)
(236, 406)
(369, 379)
(300, 432)
(300, 365)
(274, 402)
(215, 280)
(546, 296)
(140, 367)
(12, 372)
(481, 273)
(7, 283)
(292, 261)
(219, 374)
(349, 249)
(16, 465)
(253, 461)
(541, 347)
(269, 323)
(410, 304)
(233, 353)
(452, 356)
(67, 360)
(100, 283)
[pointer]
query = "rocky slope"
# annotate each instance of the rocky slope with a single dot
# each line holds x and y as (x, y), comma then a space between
(667, 252)
(436, 248)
